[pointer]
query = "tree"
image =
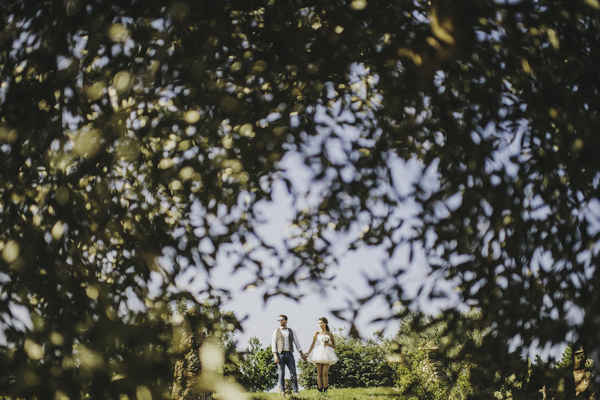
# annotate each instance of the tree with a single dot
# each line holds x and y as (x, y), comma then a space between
(197, 325)
(139, 140)
(257, 371)
(566, 360)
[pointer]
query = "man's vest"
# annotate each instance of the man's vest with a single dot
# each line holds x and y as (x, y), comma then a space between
(279, 339)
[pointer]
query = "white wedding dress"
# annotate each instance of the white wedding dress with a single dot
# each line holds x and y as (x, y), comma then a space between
(322, 354)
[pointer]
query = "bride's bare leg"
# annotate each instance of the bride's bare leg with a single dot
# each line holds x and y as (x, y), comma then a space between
(320, 375)
(325, 377)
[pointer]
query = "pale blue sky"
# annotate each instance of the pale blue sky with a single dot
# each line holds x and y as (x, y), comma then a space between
(348, 281)
(303, 314)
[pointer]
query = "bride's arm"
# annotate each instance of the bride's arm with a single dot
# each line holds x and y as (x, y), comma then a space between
(332, 343)
(313, 343)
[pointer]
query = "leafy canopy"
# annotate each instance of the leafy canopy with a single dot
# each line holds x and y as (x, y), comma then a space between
(139, 138)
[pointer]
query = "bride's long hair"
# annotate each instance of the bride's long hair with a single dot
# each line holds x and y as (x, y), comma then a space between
(326, 323)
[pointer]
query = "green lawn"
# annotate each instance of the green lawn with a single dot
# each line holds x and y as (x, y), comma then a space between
(337, 394)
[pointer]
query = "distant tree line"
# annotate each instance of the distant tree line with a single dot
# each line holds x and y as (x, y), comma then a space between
(419, 360)
(424, 364)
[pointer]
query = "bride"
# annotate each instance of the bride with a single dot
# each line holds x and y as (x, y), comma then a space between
(322, 354)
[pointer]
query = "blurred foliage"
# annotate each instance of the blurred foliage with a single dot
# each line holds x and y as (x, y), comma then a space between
(7, 366)
(137, 140)
(542, 380)
(257, 371)
(203, 334)
(362, 363)
(429, 359)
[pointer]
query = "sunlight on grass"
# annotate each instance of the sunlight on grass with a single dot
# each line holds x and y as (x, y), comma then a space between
(337, 394)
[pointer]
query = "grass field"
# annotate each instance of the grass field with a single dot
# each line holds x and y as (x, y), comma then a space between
(337, 394)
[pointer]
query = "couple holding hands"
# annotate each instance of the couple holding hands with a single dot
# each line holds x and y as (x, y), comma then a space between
(321, 353)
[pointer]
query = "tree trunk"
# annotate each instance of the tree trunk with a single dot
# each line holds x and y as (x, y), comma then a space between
(187, 368)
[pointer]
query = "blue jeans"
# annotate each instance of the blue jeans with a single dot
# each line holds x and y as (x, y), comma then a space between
(286, 358)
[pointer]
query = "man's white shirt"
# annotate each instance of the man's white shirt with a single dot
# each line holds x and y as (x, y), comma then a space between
(286, 340)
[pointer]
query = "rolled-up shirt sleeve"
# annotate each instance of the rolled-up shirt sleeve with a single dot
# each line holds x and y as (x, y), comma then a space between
(297, 342)
(274, 342)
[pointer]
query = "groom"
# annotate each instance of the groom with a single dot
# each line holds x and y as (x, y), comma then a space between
(282, 343)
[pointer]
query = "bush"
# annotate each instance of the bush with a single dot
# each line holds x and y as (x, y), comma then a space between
(361, 364)
(428, 364)
(257, 371)
(421, 377)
